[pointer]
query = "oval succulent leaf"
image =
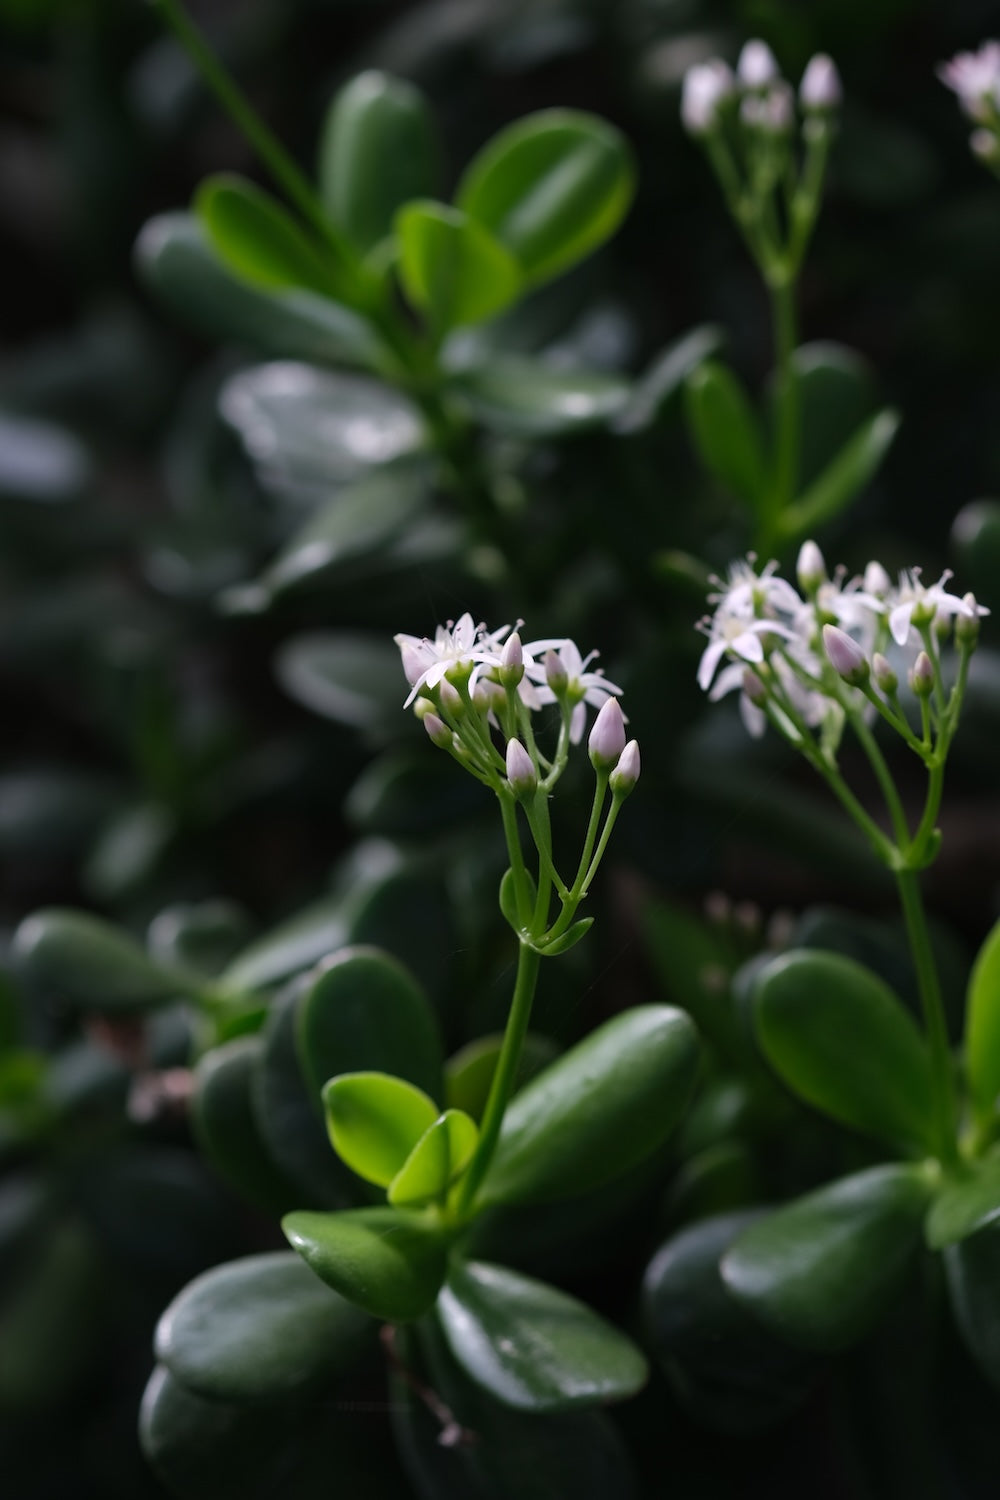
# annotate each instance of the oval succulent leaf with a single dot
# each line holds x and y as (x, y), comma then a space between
(531, 1346)
(982, 1028)
(375, 1121)
(93, 963)
(965, 1205)
(436, 1161)
(451, 267)
(259, 241)
(387, 1261)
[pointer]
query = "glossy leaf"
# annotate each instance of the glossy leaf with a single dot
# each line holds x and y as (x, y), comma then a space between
(226, 1127)
(821, 1270)
(531, 1346)
(469, 1072)
(258, 240)
(725, 431)
(982, 1028)
(258, 1328)
(842, 1041)
(200, 935)
(346, 675)
(375, 1121)
(84, 959)
(387, 1261)
(836, 393)
(965, 1204)
(366, 1013)
(437, 1160)
(569, 938)
(177, 261)
(971, 1270)
(294, 945)
(378, 151)
(844, 478)
(552, 187)
(601, 1107)
(651, 393)
(452, 269)
(528, 398)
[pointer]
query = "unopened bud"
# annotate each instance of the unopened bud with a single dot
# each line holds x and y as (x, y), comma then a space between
(754, 688)
(820, 90)
(423, 707)
(967, 624)
(607, 738)
(845, 655)
(451, 698)
(487, 695)
(511, 661)
(885, 678)
(555, 673)
(985, 145)
(521, 771)
(877, 580)
(626, 773)
(706, 88)
(438, 731)
(811, 568)
(756, 67)
(921, 676)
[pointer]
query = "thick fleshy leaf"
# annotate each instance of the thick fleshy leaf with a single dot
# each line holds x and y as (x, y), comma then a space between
(349, 677)
(366, 1013)
(437, 1160)
(258, 240)
(86, 960)
(200, 935)
(52, 1319)
(841, 1040)
(528, 398)
(725, 430)
(226, 1128)
(387, 1261)
(722, 1364)
(820, 1271)
(177, 261)
(376, 1120)
(836, 392)
(531, 1346)
(601, 1107)
(844, 477)
(311, 431)
(469, 1073)
(552, 187)
(452, 269)
(982, 1029)
(287, 949)
(258, 1328)
(974, 1289)
(652, 391)
(965, 1204)
(378, 151)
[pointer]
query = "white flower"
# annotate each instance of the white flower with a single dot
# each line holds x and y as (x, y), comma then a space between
(756, 66)
(820, 88)
(747, 592)
(583, 686)
(772, 111)
(459, 643)
(706, 87)
(927, 604)
(734, 635)
(975, 78)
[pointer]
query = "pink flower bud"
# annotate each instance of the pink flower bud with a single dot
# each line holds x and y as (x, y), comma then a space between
(626, 773)
(512, 661)
(438, 731)
(877, 580)
(846, 656)
(820, 89)
(521, 771)
(451, 698)
(607, 738)
(756, 66)
(555, 673)
(885, 678)
(706, 88)
(922, 676)
(754, 688)
(811, 568)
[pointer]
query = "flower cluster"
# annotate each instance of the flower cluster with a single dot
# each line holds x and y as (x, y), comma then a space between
(765, 100)
(804, 659)
(974, 77)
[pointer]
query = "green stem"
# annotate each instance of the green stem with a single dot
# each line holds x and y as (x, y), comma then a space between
(942, 1083)
(508, 812)
(528, 963)
(884, 777)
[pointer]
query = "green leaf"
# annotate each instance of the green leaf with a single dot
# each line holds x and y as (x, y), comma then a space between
(259, 241)
(552, 187)
(569, 938)
(226, 1127)
(982, 1029)
(89, 961)
(452, 269)
(53, 1314)
(965, 1205)
(651, 393)
(387, 1261)
(375, 1121)
(844, 477)
(258, 1328)
(725, 431)
(345, 675)
(724, 1367)
(975, 542)
(971, 1272)
(600, 1108)
(842, 1041)
(365, 1013)
(378, 150)
(524, 397)
(437, 1160)
(836, 393)
(820, 1271)
(469, 1072)
(287, 949)
(176, 260)
(532, 1347)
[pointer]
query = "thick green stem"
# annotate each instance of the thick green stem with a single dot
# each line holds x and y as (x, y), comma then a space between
(528, 963)
(942, 1082)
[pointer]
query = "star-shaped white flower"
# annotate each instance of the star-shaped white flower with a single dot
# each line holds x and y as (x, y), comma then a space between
(459, 643)
(928, 603)
(735, 635)
(586, 687)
